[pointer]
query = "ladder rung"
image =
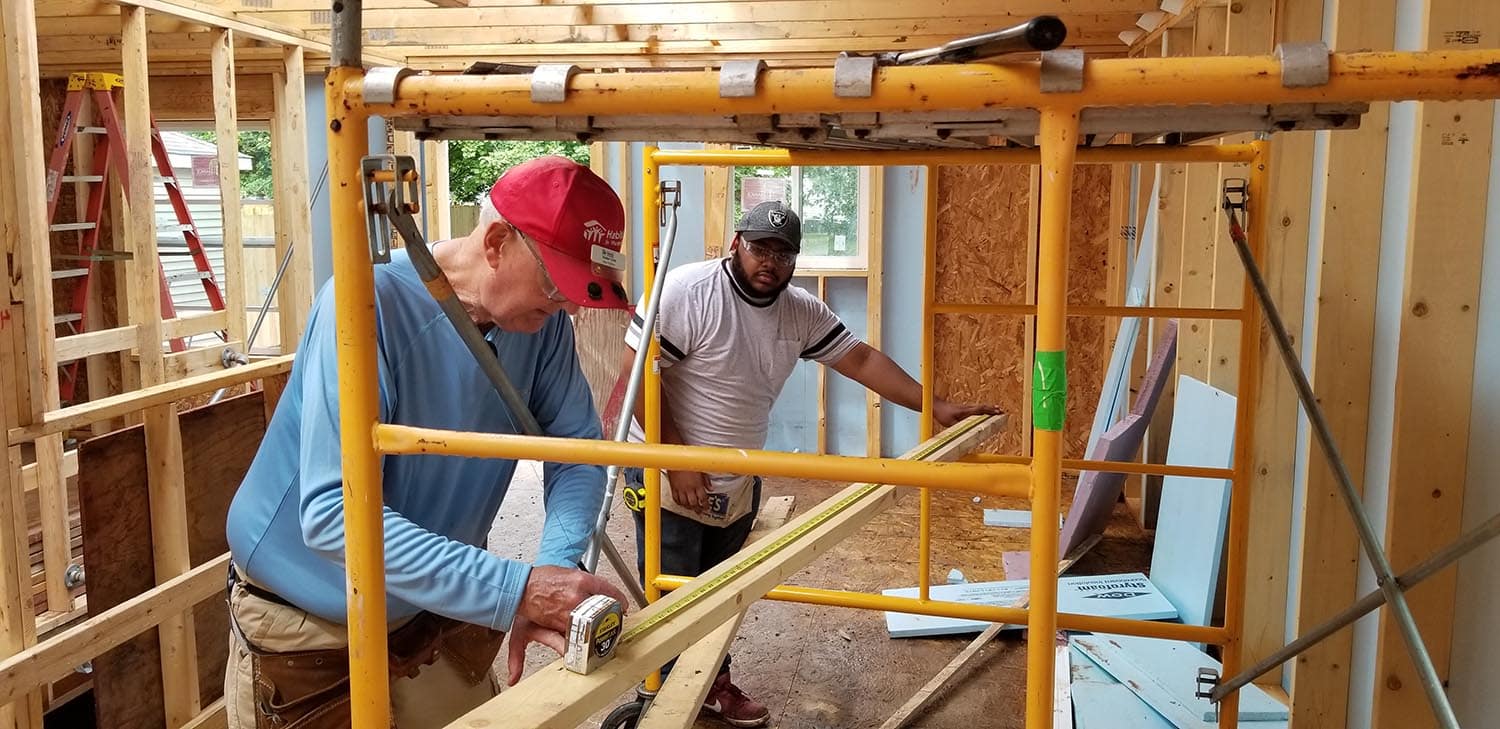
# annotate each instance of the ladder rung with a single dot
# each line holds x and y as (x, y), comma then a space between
(175, 228)
(60, 227)
(66, 318)
(173, 252)
(69, 273)
(97, 255)
(83, 178)
(191, 276)
(92, 130)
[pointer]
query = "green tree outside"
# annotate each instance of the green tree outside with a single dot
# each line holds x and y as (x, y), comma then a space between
(473, 165)
(255, 182)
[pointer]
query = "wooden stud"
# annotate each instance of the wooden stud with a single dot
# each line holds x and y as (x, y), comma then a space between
(1028, 354)
(716, 183)
(1341, 333)
(226, 134)
(1253, 29)
(28, 176)
(1435, 363)
(1171, 216)
(874, 296)
(436, 199)
(213, 716)
(555, 696)
(1201, 220)
(17, 619)
(289, 178)
(163, 441)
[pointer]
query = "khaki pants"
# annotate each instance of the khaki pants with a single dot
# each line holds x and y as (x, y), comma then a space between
(435, 698)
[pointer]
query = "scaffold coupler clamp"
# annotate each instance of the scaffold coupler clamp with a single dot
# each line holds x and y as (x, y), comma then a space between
(671, 198)
(392, 189)
(1236, 194)
(1208, 680)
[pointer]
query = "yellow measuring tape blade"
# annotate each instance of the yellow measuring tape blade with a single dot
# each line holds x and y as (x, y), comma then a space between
(764, 553)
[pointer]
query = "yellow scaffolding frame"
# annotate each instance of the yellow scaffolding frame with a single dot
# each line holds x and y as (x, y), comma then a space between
(1438, 75)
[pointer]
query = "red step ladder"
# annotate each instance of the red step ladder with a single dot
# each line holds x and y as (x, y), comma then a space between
(109, 156)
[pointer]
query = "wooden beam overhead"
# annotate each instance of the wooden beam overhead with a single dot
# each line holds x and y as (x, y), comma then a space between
(900, 32)
(668, 13)
(1164, 21)
(450, 3)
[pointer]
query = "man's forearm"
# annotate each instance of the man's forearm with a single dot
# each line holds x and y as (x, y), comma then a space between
(881, 374)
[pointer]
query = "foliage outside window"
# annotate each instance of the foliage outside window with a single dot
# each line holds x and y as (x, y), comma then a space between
(473, 165)
(832, 202)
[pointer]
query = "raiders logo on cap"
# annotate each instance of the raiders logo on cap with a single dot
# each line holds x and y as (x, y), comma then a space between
(778, 218)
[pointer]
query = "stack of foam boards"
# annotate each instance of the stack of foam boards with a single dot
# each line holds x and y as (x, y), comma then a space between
(1123, 682)
(1128, 595)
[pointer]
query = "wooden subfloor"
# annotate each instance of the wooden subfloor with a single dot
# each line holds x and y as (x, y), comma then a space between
(827, 668)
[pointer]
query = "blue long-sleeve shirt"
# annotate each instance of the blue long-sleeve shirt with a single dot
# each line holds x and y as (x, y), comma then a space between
(286, 523)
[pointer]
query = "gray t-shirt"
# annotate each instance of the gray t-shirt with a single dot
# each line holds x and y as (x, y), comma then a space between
(725, 355)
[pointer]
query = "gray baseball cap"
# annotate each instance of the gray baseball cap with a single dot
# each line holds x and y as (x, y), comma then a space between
(771, 219)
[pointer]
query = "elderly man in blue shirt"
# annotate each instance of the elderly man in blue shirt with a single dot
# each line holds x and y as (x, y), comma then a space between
(547, 242)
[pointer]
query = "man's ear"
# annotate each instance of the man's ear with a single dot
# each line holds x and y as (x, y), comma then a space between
(496, 237)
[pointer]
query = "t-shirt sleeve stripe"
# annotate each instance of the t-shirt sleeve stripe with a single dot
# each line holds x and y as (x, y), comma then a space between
(834, 335)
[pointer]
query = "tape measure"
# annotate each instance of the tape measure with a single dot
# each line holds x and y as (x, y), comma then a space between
(635, 498)
(764, 553)
(593, 633)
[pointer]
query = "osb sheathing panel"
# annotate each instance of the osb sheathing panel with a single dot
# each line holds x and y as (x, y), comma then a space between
(982, 232)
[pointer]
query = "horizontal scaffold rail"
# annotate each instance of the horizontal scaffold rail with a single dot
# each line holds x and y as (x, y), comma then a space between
(1002, 479)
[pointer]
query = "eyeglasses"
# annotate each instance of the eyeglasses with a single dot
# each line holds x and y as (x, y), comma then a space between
(549, 289)
(765, 253)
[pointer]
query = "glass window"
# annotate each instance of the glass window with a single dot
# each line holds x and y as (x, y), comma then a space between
(832, 201)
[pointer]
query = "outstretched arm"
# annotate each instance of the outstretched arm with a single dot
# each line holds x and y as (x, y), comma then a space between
(873, 369)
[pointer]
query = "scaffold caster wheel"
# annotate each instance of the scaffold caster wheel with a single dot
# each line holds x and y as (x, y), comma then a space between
(624, 716)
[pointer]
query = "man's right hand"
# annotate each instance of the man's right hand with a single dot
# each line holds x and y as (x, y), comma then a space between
(689, 489)
(552, 593)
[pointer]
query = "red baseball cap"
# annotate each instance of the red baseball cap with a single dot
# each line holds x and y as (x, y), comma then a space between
(577, 222)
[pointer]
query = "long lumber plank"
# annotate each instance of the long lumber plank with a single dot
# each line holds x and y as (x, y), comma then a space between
(677, 704)
(555, 696)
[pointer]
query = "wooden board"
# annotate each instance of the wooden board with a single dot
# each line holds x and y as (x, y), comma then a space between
(219, 442)
(1190, 529)
(1341, 332)
(557, 697)
(681, 696)
(1445, 241)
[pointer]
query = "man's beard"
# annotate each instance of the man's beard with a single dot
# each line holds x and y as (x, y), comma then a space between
(743, 279)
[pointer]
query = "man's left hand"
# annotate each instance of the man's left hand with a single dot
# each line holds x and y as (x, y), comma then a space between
(947, 413)
(523, 633)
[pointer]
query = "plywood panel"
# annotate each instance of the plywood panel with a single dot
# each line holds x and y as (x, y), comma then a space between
(218, 444)
(983, 226)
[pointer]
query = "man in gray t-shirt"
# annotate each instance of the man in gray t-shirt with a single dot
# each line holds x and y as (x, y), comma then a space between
(731, 330)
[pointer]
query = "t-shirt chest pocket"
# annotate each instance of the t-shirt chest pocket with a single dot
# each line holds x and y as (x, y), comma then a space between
(782, 354)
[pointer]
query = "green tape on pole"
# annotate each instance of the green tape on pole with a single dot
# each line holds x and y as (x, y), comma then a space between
(1049, 391)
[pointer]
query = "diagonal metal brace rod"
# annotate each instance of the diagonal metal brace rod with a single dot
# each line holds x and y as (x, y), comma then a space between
(1363, 606)
(1235, 200)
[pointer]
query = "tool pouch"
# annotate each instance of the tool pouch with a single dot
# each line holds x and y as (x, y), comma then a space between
(310, 689)
(471, 649)
(301, 689)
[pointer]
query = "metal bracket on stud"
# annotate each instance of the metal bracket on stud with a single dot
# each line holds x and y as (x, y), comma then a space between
(854, 76)
(549, 82)
(737, 78)
(1062, 71)
(398, 174)
(381, 83)
(1303, 64)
